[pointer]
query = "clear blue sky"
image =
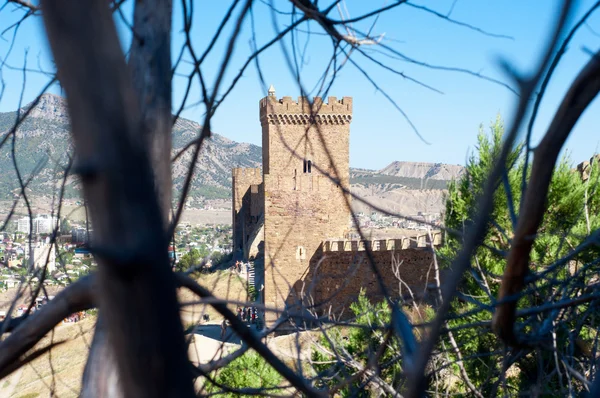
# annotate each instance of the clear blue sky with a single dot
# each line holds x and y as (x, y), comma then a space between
(379, 133)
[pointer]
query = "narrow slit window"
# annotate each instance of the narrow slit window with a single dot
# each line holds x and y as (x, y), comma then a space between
(295, 182)
(305, 166)
(300, 253)
(309, 166)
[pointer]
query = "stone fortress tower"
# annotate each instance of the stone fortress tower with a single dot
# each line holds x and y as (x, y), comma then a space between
(298, 209)
(306, 169)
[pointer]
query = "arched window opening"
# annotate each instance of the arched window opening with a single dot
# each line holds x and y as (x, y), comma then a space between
(307, 166)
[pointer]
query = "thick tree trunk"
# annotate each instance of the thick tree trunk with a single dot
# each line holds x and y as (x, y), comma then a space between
(150, 66)
(100, 377)
(137, 296)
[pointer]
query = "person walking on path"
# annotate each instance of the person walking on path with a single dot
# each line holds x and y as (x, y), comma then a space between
(223, 329)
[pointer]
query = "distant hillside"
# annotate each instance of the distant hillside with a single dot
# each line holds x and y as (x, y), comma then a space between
(43, 139)
(420, 170)
(434, 171)
(404, 187)
(371, 177)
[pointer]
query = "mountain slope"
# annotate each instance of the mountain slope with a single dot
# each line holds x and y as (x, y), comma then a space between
(43, 139)
(374, 177)
(403, 187)
(434, 171)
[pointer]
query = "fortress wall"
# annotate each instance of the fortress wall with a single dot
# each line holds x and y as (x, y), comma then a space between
(339, 276)
(423, 240)
(242, 181)
(257, 200)
(286, 105)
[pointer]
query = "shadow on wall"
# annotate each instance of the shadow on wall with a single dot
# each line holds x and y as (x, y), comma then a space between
(247, 220)
(334, 279)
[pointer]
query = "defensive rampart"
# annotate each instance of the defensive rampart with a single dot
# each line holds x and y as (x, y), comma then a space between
(341, 268)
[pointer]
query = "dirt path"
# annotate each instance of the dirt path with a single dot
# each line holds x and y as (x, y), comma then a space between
(7, 390)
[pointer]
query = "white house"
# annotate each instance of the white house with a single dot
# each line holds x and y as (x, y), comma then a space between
(43, 253)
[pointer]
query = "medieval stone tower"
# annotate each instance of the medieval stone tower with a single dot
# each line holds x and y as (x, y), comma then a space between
(306, 169)
(299, 202)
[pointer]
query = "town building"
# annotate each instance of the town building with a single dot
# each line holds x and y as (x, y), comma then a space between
(42, 224)
(44, 255)
(24, 225)
(80, 236)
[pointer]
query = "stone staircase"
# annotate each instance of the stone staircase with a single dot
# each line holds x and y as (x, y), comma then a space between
(250, 272)
(252, 282)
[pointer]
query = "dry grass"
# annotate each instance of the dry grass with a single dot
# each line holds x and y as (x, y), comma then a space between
(60, 370)
(8, 296)
(289, 348)
(224, 285)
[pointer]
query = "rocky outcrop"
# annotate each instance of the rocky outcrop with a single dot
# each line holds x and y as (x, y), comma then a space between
(584, 168)
(436, 171)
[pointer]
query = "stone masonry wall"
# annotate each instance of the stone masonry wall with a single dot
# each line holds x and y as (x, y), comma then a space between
(585, 168)
(340, 276)
(299, 209)
(287, 121)
(339, 270)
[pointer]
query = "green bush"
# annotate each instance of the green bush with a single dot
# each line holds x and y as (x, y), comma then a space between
(248, 371)
(252, 293)
(361, 343)
(567, 204)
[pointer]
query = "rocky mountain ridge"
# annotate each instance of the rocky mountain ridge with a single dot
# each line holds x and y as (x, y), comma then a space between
(434, 171)
(42, 146)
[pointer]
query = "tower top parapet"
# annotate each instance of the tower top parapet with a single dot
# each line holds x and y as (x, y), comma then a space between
(239, 173)
(288, 111)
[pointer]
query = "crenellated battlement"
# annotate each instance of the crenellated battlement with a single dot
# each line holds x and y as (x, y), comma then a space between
(585, 168)
(252, 173)
(403, 243)
(302, 111)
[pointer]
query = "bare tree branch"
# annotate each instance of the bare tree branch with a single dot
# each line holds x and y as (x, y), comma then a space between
(25, 4)
(76, 297)
(581, 93)
(485, 204)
